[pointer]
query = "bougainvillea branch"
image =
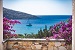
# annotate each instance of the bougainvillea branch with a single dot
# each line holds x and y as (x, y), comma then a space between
(8, 27)
(62, 30)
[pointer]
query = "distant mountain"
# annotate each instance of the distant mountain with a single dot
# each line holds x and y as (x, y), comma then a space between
(12, 14)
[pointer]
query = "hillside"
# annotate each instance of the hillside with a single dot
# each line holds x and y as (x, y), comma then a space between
(12, 14)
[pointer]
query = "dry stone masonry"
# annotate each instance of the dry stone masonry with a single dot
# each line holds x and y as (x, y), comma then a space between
(36, 45)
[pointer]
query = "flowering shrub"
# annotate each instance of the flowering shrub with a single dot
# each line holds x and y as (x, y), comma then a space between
(8, 28)
(62, 30)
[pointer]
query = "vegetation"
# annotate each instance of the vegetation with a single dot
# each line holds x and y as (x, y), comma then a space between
(7, 28)
(20, 36)
(62, 30)
(43, 34)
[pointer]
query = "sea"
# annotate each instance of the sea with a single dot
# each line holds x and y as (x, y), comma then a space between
(37, 24)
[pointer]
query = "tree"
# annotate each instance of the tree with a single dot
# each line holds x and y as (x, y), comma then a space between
(20, 35)
(40, 33)
(25, 34)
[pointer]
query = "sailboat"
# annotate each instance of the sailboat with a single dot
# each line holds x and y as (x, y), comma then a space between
(29, 24)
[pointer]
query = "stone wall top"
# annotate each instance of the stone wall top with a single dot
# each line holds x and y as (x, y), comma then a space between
(31, 39)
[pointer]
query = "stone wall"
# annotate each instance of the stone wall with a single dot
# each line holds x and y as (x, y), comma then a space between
(36, 45)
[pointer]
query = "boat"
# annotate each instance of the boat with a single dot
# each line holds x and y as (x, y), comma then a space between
(29, 24)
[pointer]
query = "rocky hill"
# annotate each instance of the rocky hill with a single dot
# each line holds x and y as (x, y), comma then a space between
(12, 14)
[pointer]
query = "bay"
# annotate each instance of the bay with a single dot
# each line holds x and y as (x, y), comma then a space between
(38, 24)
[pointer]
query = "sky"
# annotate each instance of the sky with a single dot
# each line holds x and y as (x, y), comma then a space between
(40, 7)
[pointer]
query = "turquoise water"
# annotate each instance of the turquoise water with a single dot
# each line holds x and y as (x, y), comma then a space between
(48, 20)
